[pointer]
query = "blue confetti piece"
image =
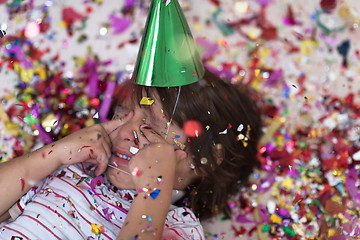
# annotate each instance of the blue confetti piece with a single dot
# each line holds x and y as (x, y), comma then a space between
(90, 192)
(155, 193)
(343, 50)
(177, 136)
(340, 187)
(149, 218)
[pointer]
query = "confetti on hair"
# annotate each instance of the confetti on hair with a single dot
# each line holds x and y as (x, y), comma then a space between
(203, 160)
(223, 132)
(193, 128)
(179, 144)
(248, 131)
(146, 101)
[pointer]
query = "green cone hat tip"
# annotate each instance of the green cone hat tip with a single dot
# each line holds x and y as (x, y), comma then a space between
(167, 56)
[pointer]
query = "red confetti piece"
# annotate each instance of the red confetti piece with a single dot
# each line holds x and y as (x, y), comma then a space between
(135, 172)
(22, 184)
(256, 96)
(193, 128)
(328, 5)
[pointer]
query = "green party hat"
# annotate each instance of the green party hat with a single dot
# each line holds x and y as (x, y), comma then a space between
(167, 56)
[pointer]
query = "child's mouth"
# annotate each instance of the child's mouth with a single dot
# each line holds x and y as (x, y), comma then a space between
(117, 160)
(122, 156)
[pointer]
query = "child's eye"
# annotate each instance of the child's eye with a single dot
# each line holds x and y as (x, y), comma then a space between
(120, 112)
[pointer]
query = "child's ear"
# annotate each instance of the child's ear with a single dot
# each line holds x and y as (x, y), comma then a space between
(180, 154)
(219, 153)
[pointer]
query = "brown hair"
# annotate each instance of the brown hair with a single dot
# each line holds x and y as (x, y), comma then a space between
(217, 105)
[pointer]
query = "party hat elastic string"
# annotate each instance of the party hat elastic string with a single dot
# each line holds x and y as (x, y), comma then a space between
(173, 113)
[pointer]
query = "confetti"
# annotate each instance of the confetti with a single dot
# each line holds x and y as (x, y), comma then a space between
(223, 132)
(135, 172)
(193, 128)
(146, 101)
(97, 229)
(2, 33)
(22, 184)
(314, 143)
(154, 194)
(134, 150)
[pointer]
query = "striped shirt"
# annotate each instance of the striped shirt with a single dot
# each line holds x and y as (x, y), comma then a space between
(69, 204)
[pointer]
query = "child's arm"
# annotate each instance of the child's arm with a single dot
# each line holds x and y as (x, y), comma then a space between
(4, 217)
(146, 217)
(90, 144)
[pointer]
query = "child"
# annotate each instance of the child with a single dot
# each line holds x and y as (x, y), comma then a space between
(182, 140)
(134, 198)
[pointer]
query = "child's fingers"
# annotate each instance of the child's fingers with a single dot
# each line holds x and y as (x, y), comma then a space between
(102, 165)
(107, 149)
(100, 159)
(111, 125)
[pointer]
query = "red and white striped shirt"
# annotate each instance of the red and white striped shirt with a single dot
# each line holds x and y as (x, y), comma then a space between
(67, 206)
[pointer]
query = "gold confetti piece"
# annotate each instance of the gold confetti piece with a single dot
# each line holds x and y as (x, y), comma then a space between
(49, 121)
(275, 218)
(97, 229)
(146, 101)
(179, 144)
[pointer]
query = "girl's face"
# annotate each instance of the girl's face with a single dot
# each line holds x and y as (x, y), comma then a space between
(123, 140)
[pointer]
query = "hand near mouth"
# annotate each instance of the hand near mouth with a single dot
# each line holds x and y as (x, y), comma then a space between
(91, 144)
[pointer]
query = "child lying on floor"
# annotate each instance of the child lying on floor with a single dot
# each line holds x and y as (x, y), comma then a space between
(152, 180)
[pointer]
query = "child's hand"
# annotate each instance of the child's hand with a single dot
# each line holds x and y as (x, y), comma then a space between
(91, 144)
(155, 163)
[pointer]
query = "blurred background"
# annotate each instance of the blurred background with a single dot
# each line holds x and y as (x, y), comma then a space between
(60, 62)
